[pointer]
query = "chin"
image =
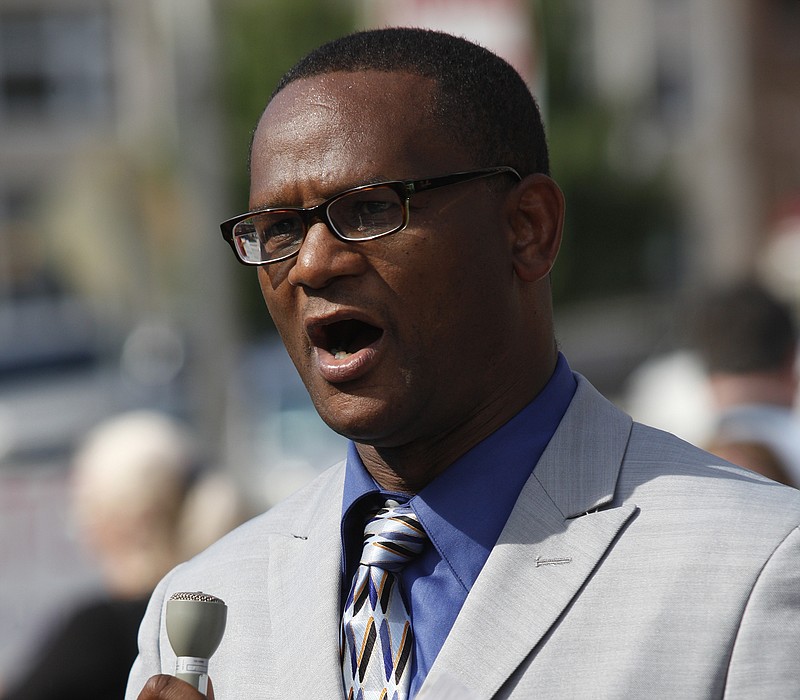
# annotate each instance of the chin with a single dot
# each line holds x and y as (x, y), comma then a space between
(361, 419)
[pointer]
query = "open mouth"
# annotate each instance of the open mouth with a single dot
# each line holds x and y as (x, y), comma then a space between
(343, 338)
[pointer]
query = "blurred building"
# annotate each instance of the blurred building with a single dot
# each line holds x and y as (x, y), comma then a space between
(713, 90)
(110, 189)
(701, 96)
(707, 91)
(107, 203)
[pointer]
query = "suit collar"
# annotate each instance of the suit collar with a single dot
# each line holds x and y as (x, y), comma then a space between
(552, 542)
(580, 467)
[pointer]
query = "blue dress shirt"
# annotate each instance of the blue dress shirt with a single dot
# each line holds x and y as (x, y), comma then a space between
(463, 511)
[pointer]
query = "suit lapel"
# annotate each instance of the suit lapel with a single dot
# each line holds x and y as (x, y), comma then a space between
(547, 550)
(303, 599)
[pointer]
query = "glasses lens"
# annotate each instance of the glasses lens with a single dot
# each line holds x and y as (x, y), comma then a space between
(269, 236)
(368, 212)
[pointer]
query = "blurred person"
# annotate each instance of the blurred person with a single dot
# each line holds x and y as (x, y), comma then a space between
(130, 478)
(403, 225)
(670, 391)
(747, 340)
(754, 455)
(214, 506)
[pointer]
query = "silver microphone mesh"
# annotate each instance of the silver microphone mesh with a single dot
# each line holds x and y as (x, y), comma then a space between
(197, 596)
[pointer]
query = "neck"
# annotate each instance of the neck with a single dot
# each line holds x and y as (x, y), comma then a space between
(410, 467)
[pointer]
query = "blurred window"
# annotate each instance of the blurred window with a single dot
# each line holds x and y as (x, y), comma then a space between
(54, 64)
(21, 254)
(673, 56)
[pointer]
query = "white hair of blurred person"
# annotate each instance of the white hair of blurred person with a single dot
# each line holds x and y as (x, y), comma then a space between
(214, 506)
(130, 480)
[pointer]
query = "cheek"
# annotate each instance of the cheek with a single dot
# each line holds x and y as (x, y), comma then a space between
(445, 277)
(279, 300)
(268, 293)
(438, 310)
(468, 301)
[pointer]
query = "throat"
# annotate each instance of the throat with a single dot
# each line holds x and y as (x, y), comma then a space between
(397, 470)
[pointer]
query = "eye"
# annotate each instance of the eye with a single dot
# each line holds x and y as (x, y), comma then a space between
(367, 212)
(278, 230)
(371, 214)
(282, 227)
(372, 207)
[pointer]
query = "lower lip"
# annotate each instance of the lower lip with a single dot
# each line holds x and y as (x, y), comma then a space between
(348, 368)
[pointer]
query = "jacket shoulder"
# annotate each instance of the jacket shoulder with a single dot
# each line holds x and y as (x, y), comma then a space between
(660, 465)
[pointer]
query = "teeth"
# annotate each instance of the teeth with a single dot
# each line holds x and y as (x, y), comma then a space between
(340, 354)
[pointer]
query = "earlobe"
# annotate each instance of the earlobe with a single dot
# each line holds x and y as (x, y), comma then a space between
(536, 219)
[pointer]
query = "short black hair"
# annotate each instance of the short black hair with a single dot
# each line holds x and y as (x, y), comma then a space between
(481, 99)
(742, 328)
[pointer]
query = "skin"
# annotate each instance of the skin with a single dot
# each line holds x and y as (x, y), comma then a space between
(462, 295)
(164, 687)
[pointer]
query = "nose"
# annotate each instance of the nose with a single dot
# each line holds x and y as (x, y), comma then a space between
(323, 258)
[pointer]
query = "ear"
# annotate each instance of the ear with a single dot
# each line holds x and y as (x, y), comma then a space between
(536, 218)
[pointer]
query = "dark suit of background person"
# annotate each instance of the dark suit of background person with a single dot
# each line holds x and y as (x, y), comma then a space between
(627, 564)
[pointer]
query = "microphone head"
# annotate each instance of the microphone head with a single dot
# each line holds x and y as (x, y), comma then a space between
(195, 624)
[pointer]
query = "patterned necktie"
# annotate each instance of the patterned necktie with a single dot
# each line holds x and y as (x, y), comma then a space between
(376, 640)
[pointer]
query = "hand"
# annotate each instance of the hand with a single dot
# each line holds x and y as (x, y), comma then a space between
(170, 688)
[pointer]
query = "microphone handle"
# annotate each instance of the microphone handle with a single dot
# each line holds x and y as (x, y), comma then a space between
(194, 671)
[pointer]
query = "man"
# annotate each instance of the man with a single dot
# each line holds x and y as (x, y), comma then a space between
(570, 553)
(747, 341)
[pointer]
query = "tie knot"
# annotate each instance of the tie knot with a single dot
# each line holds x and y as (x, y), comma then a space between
(392, 537)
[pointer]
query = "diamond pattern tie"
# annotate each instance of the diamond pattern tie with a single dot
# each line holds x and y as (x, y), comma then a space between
(376, 639)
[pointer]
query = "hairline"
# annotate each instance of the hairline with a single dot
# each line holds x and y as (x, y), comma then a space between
(477, 96)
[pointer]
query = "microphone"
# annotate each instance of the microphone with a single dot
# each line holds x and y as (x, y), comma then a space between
(195, 625)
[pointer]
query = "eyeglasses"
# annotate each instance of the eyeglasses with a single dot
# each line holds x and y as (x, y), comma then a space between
(359, 214)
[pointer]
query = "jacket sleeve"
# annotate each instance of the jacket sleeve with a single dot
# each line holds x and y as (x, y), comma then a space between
(764, 661)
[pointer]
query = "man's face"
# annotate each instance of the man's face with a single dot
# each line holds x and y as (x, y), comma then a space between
(424, 319)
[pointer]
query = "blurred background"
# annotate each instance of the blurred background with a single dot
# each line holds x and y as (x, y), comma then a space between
(675, 134)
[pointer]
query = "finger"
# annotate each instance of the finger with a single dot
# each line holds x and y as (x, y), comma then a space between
(165, 687)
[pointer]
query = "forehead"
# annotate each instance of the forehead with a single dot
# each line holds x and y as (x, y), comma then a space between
(342, 129)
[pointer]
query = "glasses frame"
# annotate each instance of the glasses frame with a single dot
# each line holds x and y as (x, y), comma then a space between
(320, 213)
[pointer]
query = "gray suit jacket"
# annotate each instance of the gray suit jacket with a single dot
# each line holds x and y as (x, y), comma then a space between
(632, 566)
